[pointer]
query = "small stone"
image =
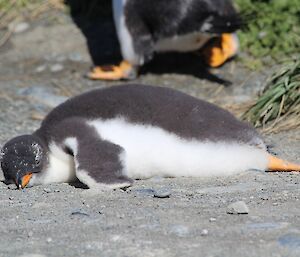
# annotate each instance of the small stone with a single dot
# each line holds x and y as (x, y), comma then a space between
(143, 191)
(30, 234)
(75, 57)
(20, 27)
(275, 204)
(47, 190)
(88, 246)
(238, 207)
(162, 193)
(40, 68)
(37, 116)
(116, 238)
(204, 232)
(60, 58)
(56, 67)
(121, 215)
(79, 213)
(179, 230)
(212, 219)
(11, 198)
(49, 240)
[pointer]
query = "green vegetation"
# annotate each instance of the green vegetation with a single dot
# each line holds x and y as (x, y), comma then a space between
(278, 107)
(6, 4)
(272, 28)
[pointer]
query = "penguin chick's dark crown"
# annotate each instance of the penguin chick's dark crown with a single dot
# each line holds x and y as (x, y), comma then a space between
(21, 155)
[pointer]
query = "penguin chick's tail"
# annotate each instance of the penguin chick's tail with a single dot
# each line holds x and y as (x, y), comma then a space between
(276, 164)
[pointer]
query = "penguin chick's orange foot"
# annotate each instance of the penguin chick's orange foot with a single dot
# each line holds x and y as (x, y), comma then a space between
(276, 164)
(112, 72)
(221, 50)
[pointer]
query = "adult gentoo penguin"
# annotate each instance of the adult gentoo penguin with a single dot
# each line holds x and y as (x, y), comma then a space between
(108, 137)
(149, 26)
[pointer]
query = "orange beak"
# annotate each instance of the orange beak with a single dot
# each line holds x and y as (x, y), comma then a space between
(25, 180)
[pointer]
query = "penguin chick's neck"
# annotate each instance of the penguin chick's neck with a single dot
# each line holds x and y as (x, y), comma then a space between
(60, 168)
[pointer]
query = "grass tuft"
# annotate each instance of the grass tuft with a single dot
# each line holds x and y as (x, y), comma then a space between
(278, 107)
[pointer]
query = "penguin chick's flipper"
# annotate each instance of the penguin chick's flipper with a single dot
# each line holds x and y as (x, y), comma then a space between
(276, 164)
(220, 50)
(99, 163)
(124, 70)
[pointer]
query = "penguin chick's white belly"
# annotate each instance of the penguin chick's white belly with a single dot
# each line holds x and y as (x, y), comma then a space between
(182, 43)
(152, 151)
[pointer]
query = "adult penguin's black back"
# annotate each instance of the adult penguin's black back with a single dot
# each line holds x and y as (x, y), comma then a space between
(177, 17)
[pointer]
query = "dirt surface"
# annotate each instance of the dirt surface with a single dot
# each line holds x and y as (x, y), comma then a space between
(45, 64)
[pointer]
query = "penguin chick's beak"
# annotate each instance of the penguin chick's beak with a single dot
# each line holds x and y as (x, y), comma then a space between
(23, 181)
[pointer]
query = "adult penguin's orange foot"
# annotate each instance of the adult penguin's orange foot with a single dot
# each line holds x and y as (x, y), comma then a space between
(114, 72)
(221, 50)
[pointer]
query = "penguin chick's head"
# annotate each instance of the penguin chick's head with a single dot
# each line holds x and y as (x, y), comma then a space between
(21, 157)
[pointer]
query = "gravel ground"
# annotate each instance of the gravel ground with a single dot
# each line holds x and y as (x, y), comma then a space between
(44, 65)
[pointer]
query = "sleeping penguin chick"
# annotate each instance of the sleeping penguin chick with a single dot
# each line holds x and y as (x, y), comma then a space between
(149, 26)
(108, 137)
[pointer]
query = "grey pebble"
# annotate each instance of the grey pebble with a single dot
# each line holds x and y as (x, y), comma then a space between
(238, 207)
(40, 68)
(162, 193)
(179, 230)
(204, 232)
(47, 190)
(79, 213)
(56, 67)
(19, 28)
(60, 58)
(212, 219)
(75, 57)
(143, 191)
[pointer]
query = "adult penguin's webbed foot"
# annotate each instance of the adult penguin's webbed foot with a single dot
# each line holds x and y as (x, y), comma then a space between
(124, 70)
(221, 49)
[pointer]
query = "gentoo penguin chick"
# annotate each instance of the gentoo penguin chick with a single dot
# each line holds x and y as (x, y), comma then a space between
(108, 137)
(149, 26)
